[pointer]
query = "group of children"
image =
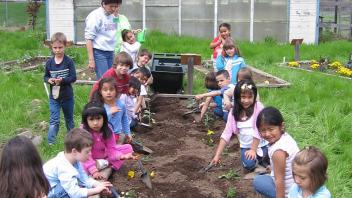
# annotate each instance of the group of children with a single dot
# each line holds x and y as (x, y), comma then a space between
(115, 101)
(260, 130)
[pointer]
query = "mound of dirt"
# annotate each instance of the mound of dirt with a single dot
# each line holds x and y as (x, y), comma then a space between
(179, 154)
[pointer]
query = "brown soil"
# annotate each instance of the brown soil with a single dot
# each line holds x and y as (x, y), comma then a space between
(179, 153)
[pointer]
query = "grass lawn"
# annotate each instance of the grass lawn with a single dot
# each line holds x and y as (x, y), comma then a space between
(317, 108)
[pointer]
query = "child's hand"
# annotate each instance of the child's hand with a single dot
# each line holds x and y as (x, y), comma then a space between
(114, 110)
(227, 105)
(128, 139)
(103, 186)
(198, 97)
(250, 154)
(51, 81)
(58, 81)
(215, 160)
(99, 176)
(127, 156)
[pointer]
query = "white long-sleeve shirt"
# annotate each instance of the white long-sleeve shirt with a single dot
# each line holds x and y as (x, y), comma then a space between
(131, 49)
(101, 29)
(59, 170)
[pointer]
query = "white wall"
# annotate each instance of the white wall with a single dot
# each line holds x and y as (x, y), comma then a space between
(60, 18)
(303, 20)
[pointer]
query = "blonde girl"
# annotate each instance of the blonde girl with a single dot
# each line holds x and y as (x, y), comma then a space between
(309, 172)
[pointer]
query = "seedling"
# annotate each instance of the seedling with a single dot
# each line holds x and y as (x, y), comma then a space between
(231, 175)
(231, 192)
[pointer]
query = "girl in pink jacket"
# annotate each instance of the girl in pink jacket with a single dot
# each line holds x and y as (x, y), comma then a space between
(95, 120)
(242, 122)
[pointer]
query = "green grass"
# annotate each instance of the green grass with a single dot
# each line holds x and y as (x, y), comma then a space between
(317, 108)
(17, 15)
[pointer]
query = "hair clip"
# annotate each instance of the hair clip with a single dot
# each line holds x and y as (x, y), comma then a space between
(245, 86)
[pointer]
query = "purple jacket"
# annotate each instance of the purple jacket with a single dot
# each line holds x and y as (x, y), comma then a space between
(231, 124)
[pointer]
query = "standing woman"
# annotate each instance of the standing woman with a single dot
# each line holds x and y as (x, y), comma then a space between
(100, 34)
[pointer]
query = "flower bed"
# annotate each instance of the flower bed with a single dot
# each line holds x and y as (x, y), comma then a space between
(325, 66)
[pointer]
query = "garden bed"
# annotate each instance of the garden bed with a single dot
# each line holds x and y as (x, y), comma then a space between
(181, 148)
(25, 64)
(260, 78)
(332, 69)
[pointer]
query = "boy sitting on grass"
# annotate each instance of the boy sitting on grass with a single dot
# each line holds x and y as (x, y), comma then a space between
(65, 173)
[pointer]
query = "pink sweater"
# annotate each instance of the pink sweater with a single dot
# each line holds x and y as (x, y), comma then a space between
(101, 149)
(231, 124)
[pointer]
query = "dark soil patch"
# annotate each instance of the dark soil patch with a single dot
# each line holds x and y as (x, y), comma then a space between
(179, 154)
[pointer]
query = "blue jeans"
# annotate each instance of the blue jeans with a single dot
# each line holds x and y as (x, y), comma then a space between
(103, 61)
(264, 185)
(58, 192)
(222, 114)
(251, 164)
(54, 123)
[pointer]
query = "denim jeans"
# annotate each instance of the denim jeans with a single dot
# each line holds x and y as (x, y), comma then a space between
(264, 185)
(251, 164)
(54, 123)
(103, 61)
(222, 114)
(58, 192)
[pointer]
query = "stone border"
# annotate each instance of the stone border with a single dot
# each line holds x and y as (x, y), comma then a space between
(284, 65)
(279, 80)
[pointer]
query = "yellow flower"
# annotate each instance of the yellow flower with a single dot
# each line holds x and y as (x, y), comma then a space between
(335, 64)
(315, 66)
(293, 64)
(152, 174)
(210, 132)
(344, 71)
(313, 61)
(130, 174)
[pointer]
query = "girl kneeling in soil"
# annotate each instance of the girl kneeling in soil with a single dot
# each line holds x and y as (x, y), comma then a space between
(241, 121)
(282, 151)
(95, 120)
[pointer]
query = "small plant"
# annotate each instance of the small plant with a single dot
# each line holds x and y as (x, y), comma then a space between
(231, 175)
(32, 10)
(129, 194)
(231, 192)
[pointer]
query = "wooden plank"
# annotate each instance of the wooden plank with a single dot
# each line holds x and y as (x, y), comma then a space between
(171, 96)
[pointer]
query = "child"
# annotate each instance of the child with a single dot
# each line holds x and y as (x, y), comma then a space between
(142, 60)
(65, 173)
(243, 74)
(282, 150)
(95, 120)
(241, 121)
(211, 84)
(218, 42)
(115, 109)
(21, 170)
(309, 172)
(142, 74)
(119, 72)
(60, 72)
(100, 34)
(130, 45)
(223, 80)
(230, 60)
(130, 100)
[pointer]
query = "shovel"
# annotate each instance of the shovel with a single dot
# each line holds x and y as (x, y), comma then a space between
(139, 148)
(145, 176)
(207, 168)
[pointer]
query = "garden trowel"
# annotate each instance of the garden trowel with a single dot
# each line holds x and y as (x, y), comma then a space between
(145, 176)
(139, 148)
(207, 168)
